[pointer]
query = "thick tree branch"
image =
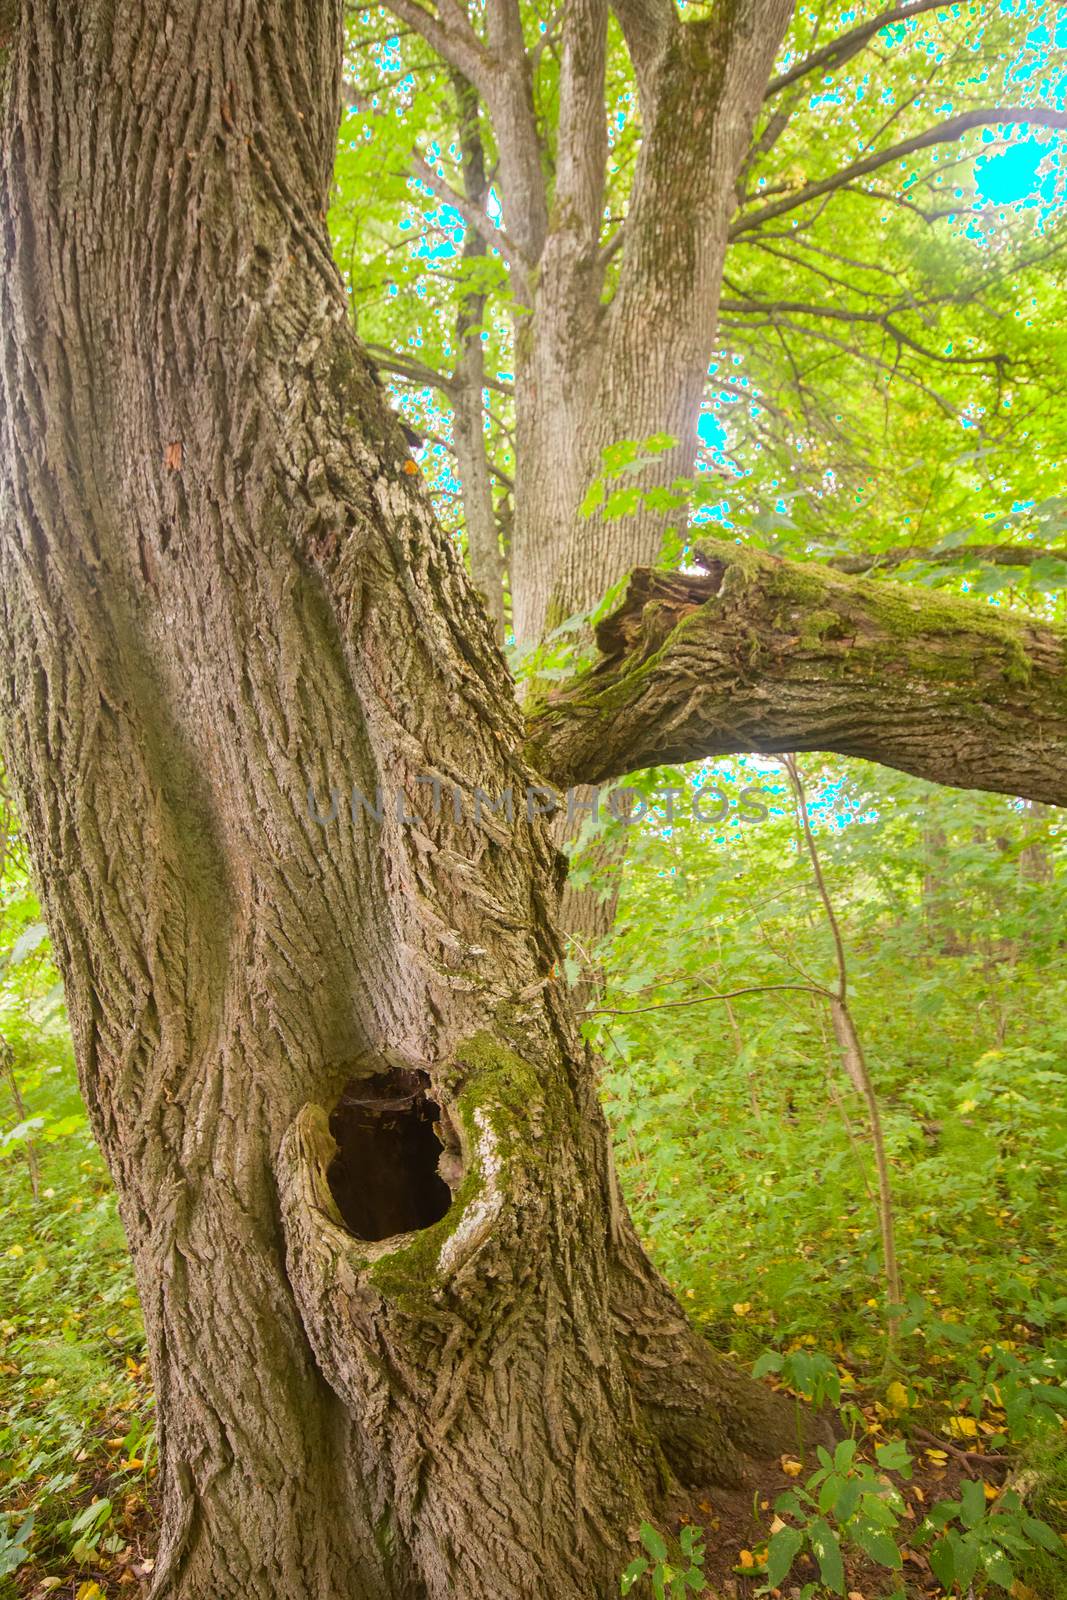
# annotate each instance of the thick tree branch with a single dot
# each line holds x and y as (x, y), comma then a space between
(468, 412)
(647, 26)
(946, 132)
(765, 655)
(582, 143)
(509, 98)
(451, 36)
(842, 49)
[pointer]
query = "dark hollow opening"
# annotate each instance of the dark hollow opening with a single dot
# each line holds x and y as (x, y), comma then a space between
(384, 1176)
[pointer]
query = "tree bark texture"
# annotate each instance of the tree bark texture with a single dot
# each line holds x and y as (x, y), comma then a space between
(468, 383)
(761, 654)
(588, 374)
(385, 1370)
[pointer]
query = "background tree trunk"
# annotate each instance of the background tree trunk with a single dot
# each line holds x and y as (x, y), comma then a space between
(410, 1349)
(590, 375)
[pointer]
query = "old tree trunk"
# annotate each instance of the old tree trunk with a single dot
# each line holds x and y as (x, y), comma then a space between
(404, 1341)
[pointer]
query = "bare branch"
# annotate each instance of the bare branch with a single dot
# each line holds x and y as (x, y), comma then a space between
(407, 368)
(451, 36)
(705, 999)
(992, 555)
(473, 214)
(842, 49)
(946, 132)
(880, 319)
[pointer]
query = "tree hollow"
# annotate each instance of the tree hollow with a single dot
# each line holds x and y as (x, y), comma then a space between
(385, 1176)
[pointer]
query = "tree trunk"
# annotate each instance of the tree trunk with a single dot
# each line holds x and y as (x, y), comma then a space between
(468, 385)
(587, 374)
(404, 1342)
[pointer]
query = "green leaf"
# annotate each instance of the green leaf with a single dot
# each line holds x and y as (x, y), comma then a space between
(1042, 1534)
(21, 1132)
(999, 1568)
(653, 1542)
(29, 940)
(690, 1539)
(972, 1500)
(828, 1555)
(635, 1570)
(894, 1456)
(788, 1505)
(965, 1553)
(848, 1500)
(878, 1545)
(782, 1551)
(594, 497)
(92, 1518)
(943, 1563)
(829, 1492)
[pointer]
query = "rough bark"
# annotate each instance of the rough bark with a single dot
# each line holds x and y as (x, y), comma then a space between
(589, 375)
(762, 654)
(596, 364)
(222, 603)
(468, 383)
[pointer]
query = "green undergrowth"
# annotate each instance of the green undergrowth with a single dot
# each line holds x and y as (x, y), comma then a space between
(77, 1427)
(744, 1149)
(77, 1451)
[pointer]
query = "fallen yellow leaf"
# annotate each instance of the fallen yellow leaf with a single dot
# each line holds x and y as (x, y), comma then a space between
(89, 1591)
(963, 1427)
(793, 1468)
(742, 1308)
(746, 1559)
(897, 1396)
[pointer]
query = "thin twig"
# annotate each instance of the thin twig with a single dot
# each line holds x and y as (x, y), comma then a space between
(701, 1000)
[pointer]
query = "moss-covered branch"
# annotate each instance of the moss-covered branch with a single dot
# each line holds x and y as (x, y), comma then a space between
(761, 654)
